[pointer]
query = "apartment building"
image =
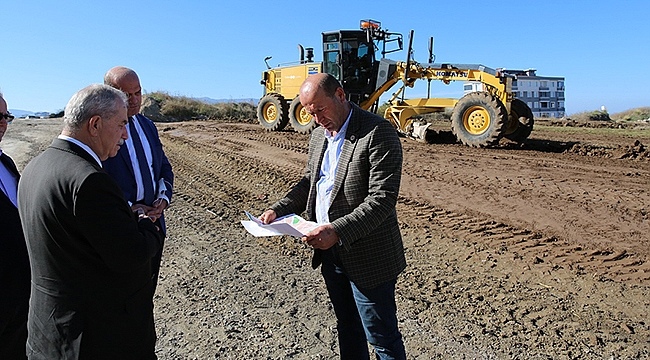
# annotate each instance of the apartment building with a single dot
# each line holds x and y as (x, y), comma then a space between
(543, 94)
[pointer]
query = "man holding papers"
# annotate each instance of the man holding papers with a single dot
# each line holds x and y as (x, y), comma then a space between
(350, 188)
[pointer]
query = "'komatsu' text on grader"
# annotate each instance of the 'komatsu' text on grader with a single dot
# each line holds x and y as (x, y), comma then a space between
(357, 59)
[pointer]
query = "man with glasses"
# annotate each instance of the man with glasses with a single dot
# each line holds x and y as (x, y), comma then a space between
(14, 262)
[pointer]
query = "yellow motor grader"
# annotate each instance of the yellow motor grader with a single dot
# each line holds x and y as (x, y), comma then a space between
(357, 59)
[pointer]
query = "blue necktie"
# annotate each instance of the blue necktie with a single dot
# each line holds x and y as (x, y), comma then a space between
(142, 163)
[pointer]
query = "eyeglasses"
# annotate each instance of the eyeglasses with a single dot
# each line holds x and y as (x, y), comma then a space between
(6, 116)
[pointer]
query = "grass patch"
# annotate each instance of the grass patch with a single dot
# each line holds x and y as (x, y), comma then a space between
(185, 108)
(631, 115)
(636, 114)
(632, 133)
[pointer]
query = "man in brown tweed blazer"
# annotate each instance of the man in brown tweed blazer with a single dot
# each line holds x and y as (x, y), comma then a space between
(350, 186)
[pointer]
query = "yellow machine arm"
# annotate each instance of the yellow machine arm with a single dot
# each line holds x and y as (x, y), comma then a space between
(400, 112)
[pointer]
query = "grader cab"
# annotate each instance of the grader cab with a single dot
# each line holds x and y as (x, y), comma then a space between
(357, 59)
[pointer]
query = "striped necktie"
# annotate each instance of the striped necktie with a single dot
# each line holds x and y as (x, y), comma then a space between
(142, 163)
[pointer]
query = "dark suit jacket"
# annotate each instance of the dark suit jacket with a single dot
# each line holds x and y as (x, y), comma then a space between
(91, 270)
(14, 263)
(121, 168)
(363, 198)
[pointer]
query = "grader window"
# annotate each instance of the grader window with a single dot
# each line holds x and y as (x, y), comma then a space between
(330, 64)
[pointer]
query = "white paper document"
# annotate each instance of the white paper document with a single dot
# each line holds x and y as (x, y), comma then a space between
(292, 225)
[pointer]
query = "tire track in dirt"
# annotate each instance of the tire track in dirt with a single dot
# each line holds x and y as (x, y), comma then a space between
(532, 248)
(241, 155)
(204, 168)
(223, 295)
(227, 297)
(470, 277)
(464, 214)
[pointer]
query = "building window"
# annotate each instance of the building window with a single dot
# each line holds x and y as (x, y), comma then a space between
(544, 104)
(543, 83)
(525, 93)
(544, 94)
(560, 94)
(552, 105)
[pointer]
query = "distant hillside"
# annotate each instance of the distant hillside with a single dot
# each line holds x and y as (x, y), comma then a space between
(43, 114)
(24, 113)
(221, 101)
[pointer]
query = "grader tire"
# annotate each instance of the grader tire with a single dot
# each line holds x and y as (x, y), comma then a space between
(299, 118)
(272, 112)
(478, 119)
(520, 121)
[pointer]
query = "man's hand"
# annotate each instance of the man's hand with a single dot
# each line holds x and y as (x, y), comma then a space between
(268, 216)
(142, 210)
(152, 212)
(157, 209)
(322, 237)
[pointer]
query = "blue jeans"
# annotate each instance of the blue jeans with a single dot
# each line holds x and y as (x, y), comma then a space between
(363, 315)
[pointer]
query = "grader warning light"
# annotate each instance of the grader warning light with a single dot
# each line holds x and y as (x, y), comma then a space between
(370, 24)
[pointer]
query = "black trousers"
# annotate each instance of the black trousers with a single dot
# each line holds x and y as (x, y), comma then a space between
(13, 332)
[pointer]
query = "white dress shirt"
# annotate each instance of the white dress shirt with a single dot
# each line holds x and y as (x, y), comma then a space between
(8, 183)
(83, 146)
(159, 188)
(134, 158)
(328, 172)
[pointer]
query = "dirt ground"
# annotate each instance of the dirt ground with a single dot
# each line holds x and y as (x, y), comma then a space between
(533, 252)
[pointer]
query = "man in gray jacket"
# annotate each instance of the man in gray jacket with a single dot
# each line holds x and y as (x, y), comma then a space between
(350, 187)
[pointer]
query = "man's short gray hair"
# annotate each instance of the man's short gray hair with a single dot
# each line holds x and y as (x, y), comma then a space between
(96, 99)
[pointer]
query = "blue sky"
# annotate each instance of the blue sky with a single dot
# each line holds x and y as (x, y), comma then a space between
(50, 49)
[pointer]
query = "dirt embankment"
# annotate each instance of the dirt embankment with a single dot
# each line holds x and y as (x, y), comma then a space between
(535, 252)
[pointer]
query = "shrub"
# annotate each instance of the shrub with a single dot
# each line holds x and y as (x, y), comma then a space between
(597, 115)
(185, 108)
(382, 109)
(637, 114)
(56, 115)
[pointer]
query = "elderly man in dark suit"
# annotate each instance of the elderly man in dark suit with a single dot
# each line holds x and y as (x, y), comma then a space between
(14, 262)
(90, 253)
(350, 187)
(140, 168)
